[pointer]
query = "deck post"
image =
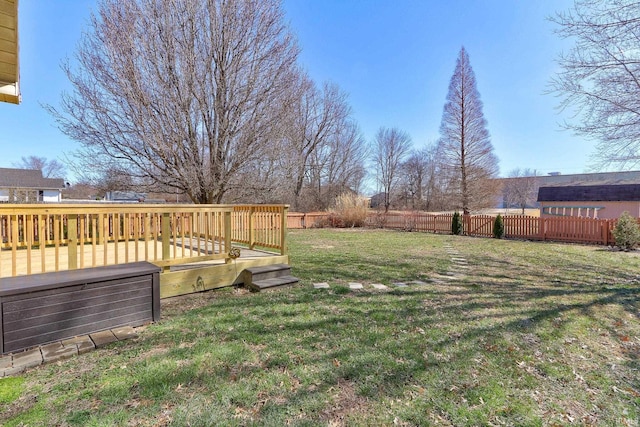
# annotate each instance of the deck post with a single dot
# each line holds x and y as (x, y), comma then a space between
(166, 237)
(227, 234)
(252, 231)
(283, 229)
(72, 241)
(14, 243)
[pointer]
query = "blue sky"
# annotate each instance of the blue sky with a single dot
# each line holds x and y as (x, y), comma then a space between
(393, 58)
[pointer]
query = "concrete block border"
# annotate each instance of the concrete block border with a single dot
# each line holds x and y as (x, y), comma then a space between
(15, 363)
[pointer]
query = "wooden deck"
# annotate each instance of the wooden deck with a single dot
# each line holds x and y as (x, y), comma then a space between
(193, 244)
(31, 262)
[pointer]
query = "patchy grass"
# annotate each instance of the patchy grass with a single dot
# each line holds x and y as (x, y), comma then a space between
(529, 334)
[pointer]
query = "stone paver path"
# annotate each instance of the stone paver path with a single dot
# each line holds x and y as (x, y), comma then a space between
(457, 271)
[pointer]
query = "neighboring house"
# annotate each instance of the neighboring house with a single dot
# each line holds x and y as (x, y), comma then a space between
(558, 180)
(29, 186)
(590, 201)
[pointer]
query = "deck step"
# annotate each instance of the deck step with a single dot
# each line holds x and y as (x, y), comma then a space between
(268, 277)
(272, 283)
(268, 271)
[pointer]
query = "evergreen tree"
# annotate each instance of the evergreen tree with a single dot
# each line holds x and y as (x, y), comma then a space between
(498, 227)
(456, 224)
(626, 232)
(466, 153)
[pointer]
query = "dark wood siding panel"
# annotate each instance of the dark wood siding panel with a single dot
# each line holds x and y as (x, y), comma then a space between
(13, 343)
(52, 314)
(70, 301)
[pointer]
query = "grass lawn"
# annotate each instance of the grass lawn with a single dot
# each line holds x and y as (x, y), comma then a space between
(526, 334)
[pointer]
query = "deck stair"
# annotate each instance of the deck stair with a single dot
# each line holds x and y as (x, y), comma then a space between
(268, 277)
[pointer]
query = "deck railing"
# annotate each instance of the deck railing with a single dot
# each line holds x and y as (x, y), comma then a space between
(43, 238)
(260, 226)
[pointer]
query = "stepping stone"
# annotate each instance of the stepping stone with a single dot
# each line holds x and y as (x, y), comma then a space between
(379, 286)
(418, 282)
(323, 285)
(400, 284)
(354, 286)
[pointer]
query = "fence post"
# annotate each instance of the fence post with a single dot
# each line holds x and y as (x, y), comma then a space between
(283, 229)
(467, 225)
(72, 241)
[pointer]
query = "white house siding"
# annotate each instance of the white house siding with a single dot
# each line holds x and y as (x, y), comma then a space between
(593, 209)
(51, 196)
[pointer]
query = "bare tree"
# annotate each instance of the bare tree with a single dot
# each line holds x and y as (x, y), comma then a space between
(338, 166)
(182, 94)
(50, 168)
(600, 77)
(420, 178)
(391, 148)
(521, 188)
(318, 115)
(465, 150)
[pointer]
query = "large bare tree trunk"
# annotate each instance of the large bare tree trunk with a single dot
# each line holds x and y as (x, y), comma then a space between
(180, 94)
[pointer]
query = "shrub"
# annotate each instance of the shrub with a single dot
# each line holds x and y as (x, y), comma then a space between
(626, 232)
(498, 227)
(350, 211)
(456, 224)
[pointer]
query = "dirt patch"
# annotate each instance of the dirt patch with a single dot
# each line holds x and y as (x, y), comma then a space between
(345, 403)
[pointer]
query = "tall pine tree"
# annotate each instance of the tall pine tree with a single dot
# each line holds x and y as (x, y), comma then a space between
(465, 151)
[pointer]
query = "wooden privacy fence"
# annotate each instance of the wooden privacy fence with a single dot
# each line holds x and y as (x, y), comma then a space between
(43, 238)
(562, 229)
(307, 220)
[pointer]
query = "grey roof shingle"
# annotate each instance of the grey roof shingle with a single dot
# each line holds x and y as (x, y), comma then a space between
(590, 193)
(28, 178)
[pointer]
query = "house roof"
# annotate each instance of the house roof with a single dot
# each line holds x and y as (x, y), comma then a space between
(590, 193)
(28, 178)
(9, 50)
